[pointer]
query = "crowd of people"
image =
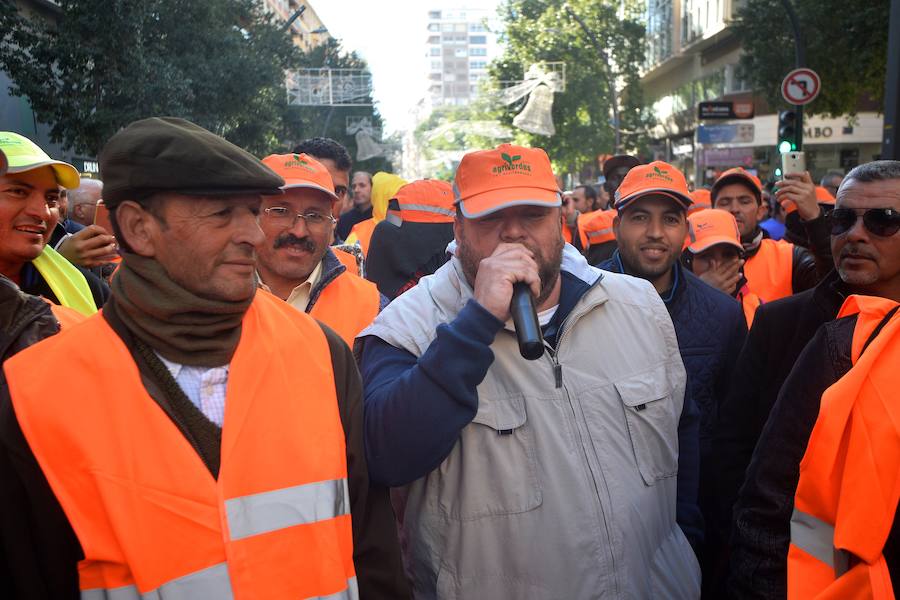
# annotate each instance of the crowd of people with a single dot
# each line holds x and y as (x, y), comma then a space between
(234, 377)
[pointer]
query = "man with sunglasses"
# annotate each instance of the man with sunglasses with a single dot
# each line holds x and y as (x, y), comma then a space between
(866, 247)
(295, 261)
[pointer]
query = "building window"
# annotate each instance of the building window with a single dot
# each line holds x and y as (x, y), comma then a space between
(435, 65)
(659, 31)
(478, 39)
(478, 64)
(434, 27)
(434, 51)
(434, 14)
(434, 39)
(477, 27)
(699, 18)
(477, 51)
(460, 53)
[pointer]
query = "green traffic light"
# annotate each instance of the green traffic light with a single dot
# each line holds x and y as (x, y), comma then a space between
(786, 146)
(777, 171)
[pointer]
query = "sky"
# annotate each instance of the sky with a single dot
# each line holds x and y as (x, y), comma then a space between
(391, 36)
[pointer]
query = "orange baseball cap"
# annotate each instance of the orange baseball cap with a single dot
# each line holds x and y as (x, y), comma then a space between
(823, 196)
(301, 171)
(657, 178)
(710, 227)
(737, 175)
(701, 199)
(424, 201)
(491, 180)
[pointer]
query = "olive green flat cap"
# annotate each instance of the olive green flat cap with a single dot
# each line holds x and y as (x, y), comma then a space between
(167, 154)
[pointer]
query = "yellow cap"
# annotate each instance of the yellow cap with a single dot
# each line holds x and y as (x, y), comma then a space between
(24, 155)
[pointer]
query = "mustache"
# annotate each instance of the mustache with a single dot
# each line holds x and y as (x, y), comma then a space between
(855, 250)
(289, 239)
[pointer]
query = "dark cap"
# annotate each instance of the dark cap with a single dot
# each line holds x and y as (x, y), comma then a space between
(166, 154)
(619, 160)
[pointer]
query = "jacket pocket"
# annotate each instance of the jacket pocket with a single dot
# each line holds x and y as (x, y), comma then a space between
(492, 470)
(652, 422)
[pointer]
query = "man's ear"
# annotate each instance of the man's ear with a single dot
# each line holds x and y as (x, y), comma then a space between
(138, 227)
(761, 212)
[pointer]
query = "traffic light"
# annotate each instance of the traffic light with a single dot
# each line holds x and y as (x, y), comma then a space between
(787, 131)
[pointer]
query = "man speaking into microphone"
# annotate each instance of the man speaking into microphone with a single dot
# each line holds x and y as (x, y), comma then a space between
(550, 478)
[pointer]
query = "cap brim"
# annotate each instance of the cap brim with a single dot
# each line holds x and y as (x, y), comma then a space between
(4, 164)
(66, 175)
(289, 185)
(711, 241)
(685, 201)
(491, 201)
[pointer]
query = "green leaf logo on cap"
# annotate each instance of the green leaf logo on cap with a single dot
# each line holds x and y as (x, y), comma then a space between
(512, 165)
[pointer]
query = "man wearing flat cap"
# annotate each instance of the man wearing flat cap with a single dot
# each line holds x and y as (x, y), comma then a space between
(199, 450)
(552, 478)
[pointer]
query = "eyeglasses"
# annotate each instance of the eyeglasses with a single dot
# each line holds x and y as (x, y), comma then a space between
(285, 217)
(883, 222)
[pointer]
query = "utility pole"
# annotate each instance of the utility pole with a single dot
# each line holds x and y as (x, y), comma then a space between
(610, 79)
(890, 144)
(799, 60)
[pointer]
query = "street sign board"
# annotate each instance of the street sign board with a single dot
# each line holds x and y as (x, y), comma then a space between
(725, 134)
(801, 86)
(725, 110)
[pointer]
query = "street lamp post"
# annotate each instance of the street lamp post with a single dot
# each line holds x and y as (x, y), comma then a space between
(610, 79)
(890, 145)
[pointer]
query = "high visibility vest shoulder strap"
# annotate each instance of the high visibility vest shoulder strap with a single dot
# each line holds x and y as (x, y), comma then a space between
(770, 271)
(151, 519)
(348, 305)
(749, 303)
(849, 487)
(67, 282)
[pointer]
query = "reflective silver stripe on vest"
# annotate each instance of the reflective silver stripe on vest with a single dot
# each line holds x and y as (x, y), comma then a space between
(350, 593)
(600, 232)
(428, 208)
(299, 505)
(212, 582)
(813, 535)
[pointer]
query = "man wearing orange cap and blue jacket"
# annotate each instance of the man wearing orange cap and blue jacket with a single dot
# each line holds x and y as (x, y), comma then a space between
(565, 477)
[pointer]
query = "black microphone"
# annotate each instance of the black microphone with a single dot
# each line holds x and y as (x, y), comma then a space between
(528, 328)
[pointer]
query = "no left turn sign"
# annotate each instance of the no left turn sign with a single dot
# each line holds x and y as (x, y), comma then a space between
(801, 86)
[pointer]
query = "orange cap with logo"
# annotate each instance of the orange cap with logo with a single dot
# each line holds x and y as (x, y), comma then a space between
(701, 199)
(737, 175)
(710, 227)
(823, 196)
(657, 178)
(491, 180)
(423, 201)
(301, 171)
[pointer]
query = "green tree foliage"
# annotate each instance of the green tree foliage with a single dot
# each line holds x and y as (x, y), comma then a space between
(105, 63)
(301, 122)
(846, 44)
(541, 30)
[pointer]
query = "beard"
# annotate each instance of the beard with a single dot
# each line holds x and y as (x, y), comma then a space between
(549, 263)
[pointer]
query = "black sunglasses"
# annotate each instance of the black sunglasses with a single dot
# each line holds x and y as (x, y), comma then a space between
(883, 222)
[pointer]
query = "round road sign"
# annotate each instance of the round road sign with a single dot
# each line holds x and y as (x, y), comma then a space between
(801, 86)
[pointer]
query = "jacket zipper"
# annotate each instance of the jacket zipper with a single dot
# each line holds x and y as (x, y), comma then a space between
(558, 378)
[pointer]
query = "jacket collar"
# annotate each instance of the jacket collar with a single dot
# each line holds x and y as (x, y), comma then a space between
(677, 277)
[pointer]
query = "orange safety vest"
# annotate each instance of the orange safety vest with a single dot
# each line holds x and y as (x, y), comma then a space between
(66, 316)
(151, 519)
(749, 302)
(348, 305)
(363, 231)
(770, 270)
(347, 259)
(849, 485)
(597, 228)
